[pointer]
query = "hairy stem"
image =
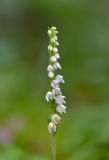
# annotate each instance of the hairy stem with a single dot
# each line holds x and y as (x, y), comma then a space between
(53, 147)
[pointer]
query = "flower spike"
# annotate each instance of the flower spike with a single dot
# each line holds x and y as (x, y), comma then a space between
(54, 95)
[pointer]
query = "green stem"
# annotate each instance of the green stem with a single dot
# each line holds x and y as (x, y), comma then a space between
(53, 147)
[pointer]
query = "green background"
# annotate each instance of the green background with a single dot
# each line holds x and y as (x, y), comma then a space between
(83, 26)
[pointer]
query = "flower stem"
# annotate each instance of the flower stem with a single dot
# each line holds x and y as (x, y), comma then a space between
(53, 147)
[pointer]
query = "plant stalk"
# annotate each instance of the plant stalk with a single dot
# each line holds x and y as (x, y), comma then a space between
(53, 147)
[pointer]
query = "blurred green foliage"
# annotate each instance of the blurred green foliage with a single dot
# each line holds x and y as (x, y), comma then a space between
(84, 36)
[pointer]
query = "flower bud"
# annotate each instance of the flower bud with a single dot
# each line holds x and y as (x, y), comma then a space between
(57, 55)
(50, 48)
(51, 127)
(49, 32)
(50, 74)
(55, 119)
(55, 37)
(55, 50)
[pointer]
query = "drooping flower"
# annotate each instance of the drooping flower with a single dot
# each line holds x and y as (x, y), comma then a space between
(60, 99)
(57, 65)
(61, 108)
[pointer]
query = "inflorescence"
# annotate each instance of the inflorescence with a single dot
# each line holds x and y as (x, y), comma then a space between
(54, 95)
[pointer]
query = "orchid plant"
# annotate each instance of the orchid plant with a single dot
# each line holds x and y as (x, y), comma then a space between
(54, 95)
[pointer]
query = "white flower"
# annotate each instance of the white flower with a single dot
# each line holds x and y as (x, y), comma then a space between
(53, 59)
(60, 99)
(49, 96)
(56, 91)
(59, 78)
(61, 109)
(51, 127)
(50, 48)
(50, 68)
(50, 74)
(57, 65)
(52, 40)
(57, 55)
(55, 84)
(55, 118)
(55, 50)
(53, 28)
(57, 43)
(55, 37)
(49, 32)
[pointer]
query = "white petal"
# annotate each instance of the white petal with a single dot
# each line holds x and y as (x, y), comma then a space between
(61, 109)
(52, 40)
(55, 84)
(51, 127)
(57, 55)
(50, 74)
(49, 96)
(59, 78)
(55, 50)
(56, 91)
(53, 59)
(50, 48)
(50, 68)
(55, 37)
(55, 118)
(53, 28)
(49, 32)
(57, 65)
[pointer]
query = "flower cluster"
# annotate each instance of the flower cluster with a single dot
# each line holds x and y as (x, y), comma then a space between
(54, 95)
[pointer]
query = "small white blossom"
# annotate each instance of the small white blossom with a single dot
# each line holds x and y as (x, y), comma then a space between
(57, 65)
(53, 59)
(55, 37)
(55, 50)
(53, 28)
(50, 74)
(59, 78)
(52, 40)
(56, 91)
(49, 96)
(57, 55)
(57, 43)
(61, 109)
(49, 32)
(50, 48)
(50, 68)
(55, 118)
(60, 99)
(55, 84)
(51, 127)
